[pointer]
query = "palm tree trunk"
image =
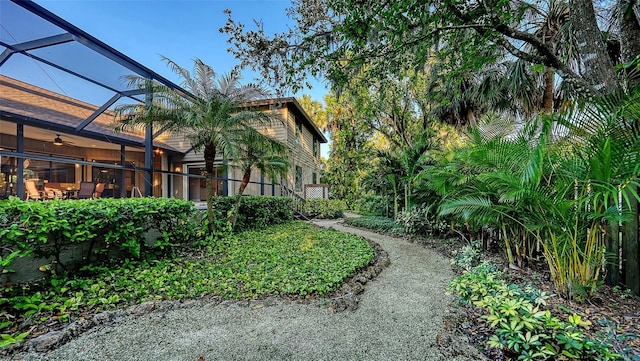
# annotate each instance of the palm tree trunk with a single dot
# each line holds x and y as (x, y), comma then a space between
(243, 185)
(547, 95)
(629, 39)
(209, 159)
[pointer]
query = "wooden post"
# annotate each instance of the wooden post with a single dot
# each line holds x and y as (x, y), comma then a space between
(613, 255)
(630, 249)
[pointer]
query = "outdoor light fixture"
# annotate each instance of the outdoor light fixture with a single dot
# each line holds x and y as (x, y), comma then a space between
(58, 140)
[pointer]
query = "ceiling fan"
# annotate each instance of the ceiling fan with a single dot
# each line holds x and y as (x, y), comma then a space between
(57, 141)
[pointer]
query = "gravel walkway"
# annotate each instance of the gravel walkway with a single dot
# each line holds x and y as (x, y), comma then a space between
(400, 318)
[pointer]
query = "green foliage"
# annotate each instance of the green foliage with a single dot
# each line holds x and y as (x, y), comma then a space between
(324, 208)
(295, 258)
(45, 228)
(521, 327)
(378, 224)
(611, 336)
(255, 212)
(468, 256)
(372, 205)
(421, 220)
(553, 185)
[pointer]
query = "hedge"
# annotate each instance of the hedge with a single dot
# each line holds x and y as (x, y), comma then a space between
(324, 208)
(44, 229)
(256, 212)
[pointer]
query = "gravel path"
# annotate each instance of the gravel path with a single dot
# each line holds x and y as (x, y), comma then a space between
(400, 318)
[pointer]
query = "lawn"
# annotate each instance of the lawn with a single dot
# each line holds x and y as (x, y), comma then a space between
(295, 258)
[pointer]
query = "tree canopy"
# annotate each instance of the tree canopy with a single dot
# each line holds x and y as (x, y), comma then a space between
(347, 40)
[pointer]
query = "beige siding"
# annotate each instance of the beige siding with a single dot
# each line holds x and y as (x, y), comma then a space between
(175, 141)
(301, 154)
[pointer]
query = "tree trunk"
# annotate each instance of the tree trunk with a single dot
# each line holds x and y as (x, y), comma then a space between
(243, 185)
(547, 96)
(629, 38)
(596, 66)
(209, 160)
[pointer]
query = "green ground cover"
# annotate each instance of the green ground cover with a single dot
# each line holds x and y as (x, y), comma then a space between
(295, 258)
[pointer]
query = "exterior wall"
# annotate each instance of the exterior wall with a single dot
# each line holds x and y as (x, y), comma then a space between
(301, 155)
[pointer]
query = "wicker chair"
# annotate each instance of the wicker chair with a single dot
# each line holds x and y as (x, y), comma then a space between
(32, 192)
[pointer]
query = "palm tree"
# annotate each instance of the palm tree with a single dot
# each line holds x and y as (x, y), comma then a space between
(213, 117)
(263, 153)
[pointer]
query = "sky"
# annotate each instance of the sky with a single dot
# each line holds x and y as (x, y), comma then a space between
(178, 29)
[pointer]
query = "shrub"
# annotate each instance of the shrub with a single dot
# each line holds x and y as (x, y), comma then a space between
(372, 205)
(421, 220)
(378, 224)
(256, 212)
(468, 256)
(324, 208)
(521, 328)
(45, 228)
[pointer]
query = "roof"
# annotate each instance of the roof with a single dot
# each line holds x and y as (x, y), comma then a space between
(295, 106)
(42, 108)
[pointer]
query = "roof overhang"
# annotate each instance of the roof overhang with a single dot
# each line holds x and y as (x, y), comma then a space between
(292, 104)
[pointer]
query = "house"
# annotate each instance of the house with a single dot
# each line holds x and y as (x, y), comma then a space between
(61, 140)
(55, 155)
(296, 130)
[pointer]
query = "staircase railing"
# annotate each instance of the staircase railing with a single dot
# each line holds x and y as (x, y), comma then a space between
(297, 201)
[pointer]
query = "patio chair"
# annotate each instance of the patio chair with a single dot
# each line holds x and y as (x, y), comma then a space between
(53, 193)
(86, 190)
(32, 192)
(97, 193)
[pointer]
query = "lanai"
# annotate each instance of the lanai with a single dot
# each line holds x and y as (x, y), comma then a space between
(37, 47)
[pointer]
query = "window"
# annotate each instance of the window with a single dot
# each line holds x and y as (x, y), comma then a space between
(316, 148)
(198, 186)
(298, 130)
(314, 178)
(298, 179)
(49, 170)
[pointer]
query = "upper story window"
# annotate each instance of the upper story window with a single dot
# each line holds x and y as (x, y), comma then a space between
(316, 147)
(298, 131)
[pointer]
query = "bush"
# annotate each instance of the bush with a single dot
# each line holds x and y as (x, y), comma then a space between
(521, 328)
(378, 224)
(372, 205)
(256, 212)
(421, 220)
(324, 208)
(45, 228)
(468, 256)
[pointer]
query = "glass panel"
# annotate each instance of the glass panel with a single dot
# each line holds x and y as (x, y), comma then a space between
(298, 179)
(113, 178)
(51, 172)
(8, 176)
(198, 186)
(87, 62)
(20, 25)
(41, 75)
